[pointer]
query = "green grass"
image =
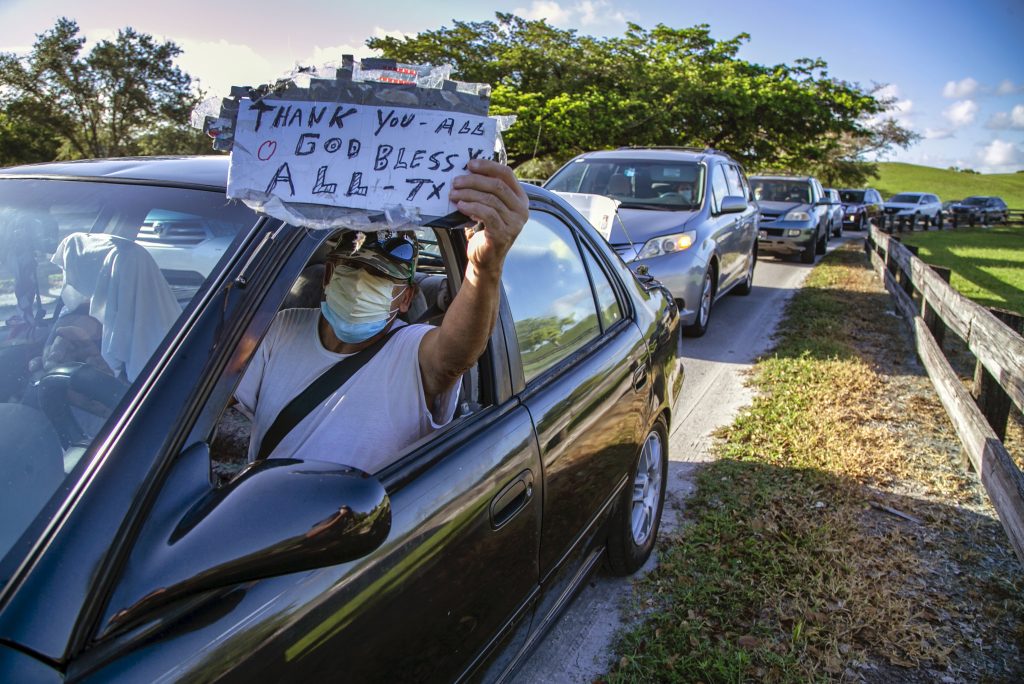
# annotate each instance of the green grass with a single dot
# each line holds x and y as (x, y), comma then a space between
(782, 571)
(949, 185)
(987, 264)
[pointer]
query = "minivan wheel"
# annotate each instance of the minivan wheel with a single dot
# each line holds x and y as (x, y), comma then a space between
(700, 325)
(637, 516)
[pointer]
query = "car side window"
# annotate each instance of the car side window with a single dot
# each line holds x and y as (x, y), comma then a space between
(549, 294)
(732, 176)
(719, 188)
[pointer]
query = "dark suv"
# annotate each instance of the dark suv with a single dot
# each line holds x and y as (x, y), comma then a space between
(981, 209)
(794, 215)
(860, 207)
(684, 213)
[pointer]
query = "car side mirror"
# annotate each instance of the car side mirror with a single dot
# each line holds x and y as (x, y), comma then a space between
(733, 204)
(277, 516)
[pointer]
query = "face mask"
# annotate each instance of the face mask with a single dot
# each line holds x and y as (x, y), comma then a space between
(358, 304)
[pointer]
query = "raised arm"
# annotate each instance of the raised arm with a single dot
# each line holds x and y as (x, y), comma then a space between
(491, 196)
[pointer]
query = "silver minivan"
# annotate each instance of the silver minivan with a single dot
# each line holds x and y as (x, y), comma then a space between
(685, 215)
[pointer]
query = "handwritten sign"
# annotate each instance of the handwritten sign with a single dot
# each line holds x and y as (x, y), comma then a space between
(351, 155)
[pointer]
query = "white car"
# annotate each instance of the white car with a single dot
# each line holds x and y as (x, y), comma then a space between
(915, 205)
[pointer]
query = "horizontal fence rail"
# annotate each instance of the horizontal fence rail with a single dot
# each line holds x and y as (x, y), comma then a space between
(980, 419)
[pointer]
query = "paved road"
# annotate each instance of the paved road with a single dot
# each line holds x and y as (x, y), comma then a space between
(578, 647)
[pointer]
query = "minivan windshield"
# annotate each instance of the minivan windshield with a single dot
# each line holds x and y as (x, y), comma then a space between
(637, 184)
(906, 198)
(975, 201)
(851, 196)
(93, 277)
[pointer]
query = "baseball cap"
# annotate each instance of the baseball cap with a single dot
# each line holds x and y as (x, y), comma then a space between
(389, 253)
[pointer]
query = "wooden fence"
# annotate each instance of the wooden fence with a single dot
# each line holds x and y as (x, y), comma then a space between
(926, 300)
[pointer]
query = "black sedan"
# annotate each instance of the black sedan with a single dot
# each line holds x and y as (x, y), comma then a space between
(137, 543)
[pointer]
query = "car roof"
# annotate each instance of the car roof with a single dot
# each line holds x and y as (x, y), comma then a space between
(776, 176)
(653, 154)
(208, 171)
(202, 171)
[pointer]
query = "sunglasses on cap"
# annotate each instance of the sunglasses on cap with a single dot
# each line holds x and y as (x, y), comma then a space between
(392, 257)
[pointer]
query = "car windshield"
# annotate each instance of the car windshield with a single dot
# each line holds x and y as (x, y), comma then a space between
(665, 185)
(93, 276)
(975, 201)
(905, 198)
(851, 196)
(781, 190)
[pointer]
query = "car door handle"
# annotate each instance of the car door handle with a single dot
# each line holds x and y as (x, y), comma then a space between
(512, 498)
(639, 376)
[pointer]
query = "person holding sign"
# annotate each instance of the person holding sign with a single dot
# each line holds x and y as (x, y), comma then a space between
(408, 385)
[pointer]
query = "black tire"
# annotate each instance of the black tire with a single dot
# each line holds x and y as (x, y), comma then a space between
(747, 286)
(637, 515)
(707, 297)
(838, 229)
(861, 223)
(807, 256)
(822, 246)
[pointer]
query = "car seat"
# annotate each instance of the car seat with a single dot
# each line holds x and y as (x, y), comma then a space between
(31, 468)
(619, 185)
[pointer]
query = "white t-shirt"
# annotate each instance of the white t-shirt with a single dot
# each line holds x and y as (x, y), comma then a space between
(367, 422)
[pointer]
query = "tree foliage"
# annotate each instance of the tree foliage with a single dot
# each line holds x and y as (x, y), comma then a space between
(124, 97)
(664, 86)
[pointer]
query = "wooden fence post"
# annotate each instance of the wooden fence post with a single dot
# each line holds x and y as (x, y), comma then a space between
(992, 399)
(907, 279)
(931, 318)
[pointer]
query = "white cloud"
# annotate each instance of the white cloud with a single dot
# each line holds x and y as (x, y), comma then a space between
(1004, 120)
(1007, 87)
(937, 133)
(901, 109)
(218, 65)
(568, 15)
(548, 10)
(956, 90)
(1002, 153)
(961, 113)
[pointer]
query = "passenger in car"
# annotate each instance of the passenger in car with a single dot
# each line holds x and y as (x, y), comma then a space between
(410, 387)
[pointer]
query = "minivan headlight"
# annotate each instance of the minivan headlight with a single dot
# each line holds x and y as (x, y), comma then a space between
(797, 216)
(666, 244)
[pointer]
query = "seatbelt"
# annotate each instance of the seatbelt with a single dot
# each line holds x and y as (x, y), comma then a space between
(317, 391)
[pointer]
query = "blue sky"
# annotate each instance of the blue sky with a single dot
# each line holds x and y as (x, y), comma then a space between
(955, 68)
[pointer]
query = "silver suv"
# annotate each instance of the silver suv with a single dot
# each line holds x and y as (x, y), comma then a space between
(684, 214)
(795, 215)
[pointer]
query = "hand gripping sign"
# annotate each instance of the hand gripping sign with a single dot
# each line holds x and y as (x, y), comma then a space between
(378, 138)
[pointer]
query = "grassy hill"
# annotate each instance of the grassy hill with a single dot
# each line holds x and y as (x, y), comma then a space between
(949, 185)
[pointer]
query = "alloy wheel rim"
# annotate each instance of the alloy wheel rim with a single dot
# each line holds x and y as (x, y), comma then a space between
(646, 490)
(705, 300)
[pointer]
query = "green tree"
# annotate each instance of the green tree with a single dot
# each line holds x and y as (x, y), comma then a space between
(664, 86)
(124, 97)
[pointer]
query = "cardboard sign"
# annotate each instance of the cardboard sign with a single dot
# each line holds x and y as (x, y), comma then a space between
(351, 155)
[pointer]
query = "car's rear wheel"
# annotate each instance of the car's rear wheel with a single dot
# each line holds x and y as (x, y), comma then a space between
(747, 286)
(838, 228)
(637, 516)
(707, 294)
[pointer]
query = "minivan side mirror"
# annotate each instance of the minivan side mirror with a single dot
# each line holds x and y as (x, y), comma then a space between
(733, 204)
(277, 516)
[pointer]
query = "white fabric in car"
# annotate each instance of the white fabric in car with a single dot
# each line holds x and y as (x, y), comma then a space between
(127, 294)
